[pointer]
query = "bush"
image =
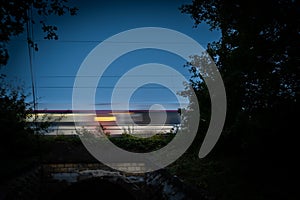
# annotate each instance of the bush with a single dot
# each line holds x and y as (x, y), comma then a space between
(17, 137)
(142, 145)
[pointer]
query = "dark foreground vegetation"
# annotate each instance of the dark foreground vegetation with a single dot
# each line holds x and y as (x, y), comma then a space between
(256, 156)
(225, 175)
(258, 57)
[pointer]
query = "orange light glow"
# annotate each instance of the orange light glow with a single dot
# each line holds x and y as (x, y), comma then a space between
(105, 119)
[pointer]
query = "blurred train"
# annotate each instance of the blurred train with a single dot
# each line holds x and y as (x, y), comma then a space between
(140, 122)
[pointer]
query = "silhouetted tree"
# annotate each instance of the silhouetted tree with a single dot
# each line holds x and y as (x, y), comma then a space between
(17, 137)
(19, 126)
(16, 15)
(257, 56)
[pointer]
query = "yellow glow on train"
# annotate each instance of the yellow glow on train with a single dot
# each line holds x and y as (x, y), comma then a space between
(105, 119)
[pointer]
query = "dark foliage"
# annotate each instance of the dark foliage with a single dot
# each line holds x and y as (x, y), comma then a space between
(17, 137)
(258, 57)
(17, 15)
(142, 145)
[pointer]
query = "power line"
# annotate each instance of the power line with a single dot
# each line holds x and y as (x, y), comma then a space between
(29, 28)
(104, 87)
(113, 42)
(112, 76)
(120, 42)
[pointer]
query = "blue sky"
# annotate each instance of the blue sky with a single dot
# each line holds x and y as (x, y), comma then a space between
(57, 62)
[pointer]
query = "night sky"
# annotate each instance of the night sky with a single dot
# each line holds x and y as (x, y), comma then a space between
(56, 63)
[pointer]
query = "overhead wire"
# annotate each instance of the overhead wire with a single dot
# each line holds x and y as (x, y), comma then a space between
(112, 42)
(29, 28)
